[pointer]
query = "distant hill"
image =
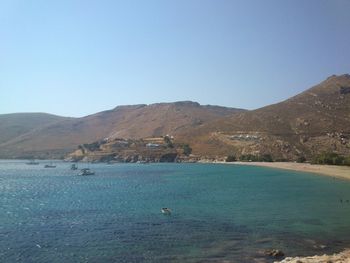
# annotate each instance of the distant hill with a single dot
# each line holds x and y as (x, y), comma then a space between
(17, 124)
(136, 121)
(315, 121)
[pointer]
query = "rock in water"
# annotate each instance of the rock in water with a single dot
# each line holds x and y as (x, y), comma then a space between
(274, 253)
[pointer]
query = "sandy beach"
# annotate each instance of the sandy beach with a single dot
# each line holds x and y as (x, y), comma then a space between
(329, 170)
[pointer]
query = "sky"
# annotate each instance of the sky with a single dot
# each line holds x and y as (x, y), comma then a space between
(74, 58)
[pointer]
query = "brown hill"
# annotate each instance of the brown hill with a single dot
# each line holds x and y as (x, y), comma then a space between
(312, 122)
(137, 121)
(315, 121)
(17, 124)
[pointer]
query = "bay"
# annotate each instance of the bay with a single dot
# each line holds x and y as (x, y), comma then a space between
(220, 213)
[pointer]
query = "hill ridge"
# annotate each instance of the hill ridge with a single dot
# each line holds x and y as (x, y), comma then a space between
(129, 121)
(313, 121)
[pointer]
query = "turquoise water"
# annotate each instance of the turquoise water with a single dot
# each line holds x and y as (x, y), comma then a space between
(220, 213)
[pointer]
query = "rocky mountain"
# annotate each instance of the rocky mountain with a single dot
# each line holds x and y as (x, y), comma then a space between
(137, 121)
(315, 121)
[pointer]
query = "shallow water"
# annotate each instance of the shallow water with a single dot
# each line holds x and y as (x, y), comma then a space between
(220, 212)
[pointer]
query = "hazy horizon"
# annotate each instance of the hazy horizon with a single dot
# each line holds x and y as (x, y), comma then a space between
(75, 58)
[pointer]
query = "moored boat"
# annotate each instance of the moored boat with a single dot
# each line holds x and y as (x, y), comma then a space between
(49, 166)
(32, 162)
(86, 171)
(143, 162)
(166, 211)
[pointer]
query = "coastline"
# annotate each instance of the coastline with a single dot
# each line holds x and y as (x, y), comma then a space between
(342, 172)
(342, 257)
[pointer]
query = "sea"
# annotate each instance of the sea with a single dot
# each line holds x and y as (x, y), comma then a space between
(219, 213)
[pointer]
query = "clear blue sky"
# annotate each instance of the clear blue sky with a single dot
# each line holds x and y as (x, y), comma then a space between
(75, 58)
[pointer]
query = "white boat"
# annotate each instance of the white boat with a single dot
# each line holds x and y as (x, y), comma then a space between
(32, 162)
(166, 211)
(86, 171)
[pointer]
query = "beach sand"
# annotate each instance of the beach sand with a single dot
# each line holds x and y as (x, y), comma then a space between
(329, 170)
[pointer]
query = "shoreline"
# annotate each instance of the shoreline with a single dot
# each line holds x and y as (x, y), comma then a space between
(342, 257)
(335, 171)
(341, 172)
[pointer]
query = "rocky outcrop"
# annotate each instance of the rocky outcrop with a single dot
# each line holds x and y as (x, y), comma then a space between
(159, 149)
(275, 253)
(168, 158)
(342, 257)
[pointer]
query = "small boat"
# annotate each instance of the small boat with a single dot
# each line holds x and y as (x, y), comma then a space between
(74, 167)
(32, 162)
(166, 211)
(49, 166)
(86, 171)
